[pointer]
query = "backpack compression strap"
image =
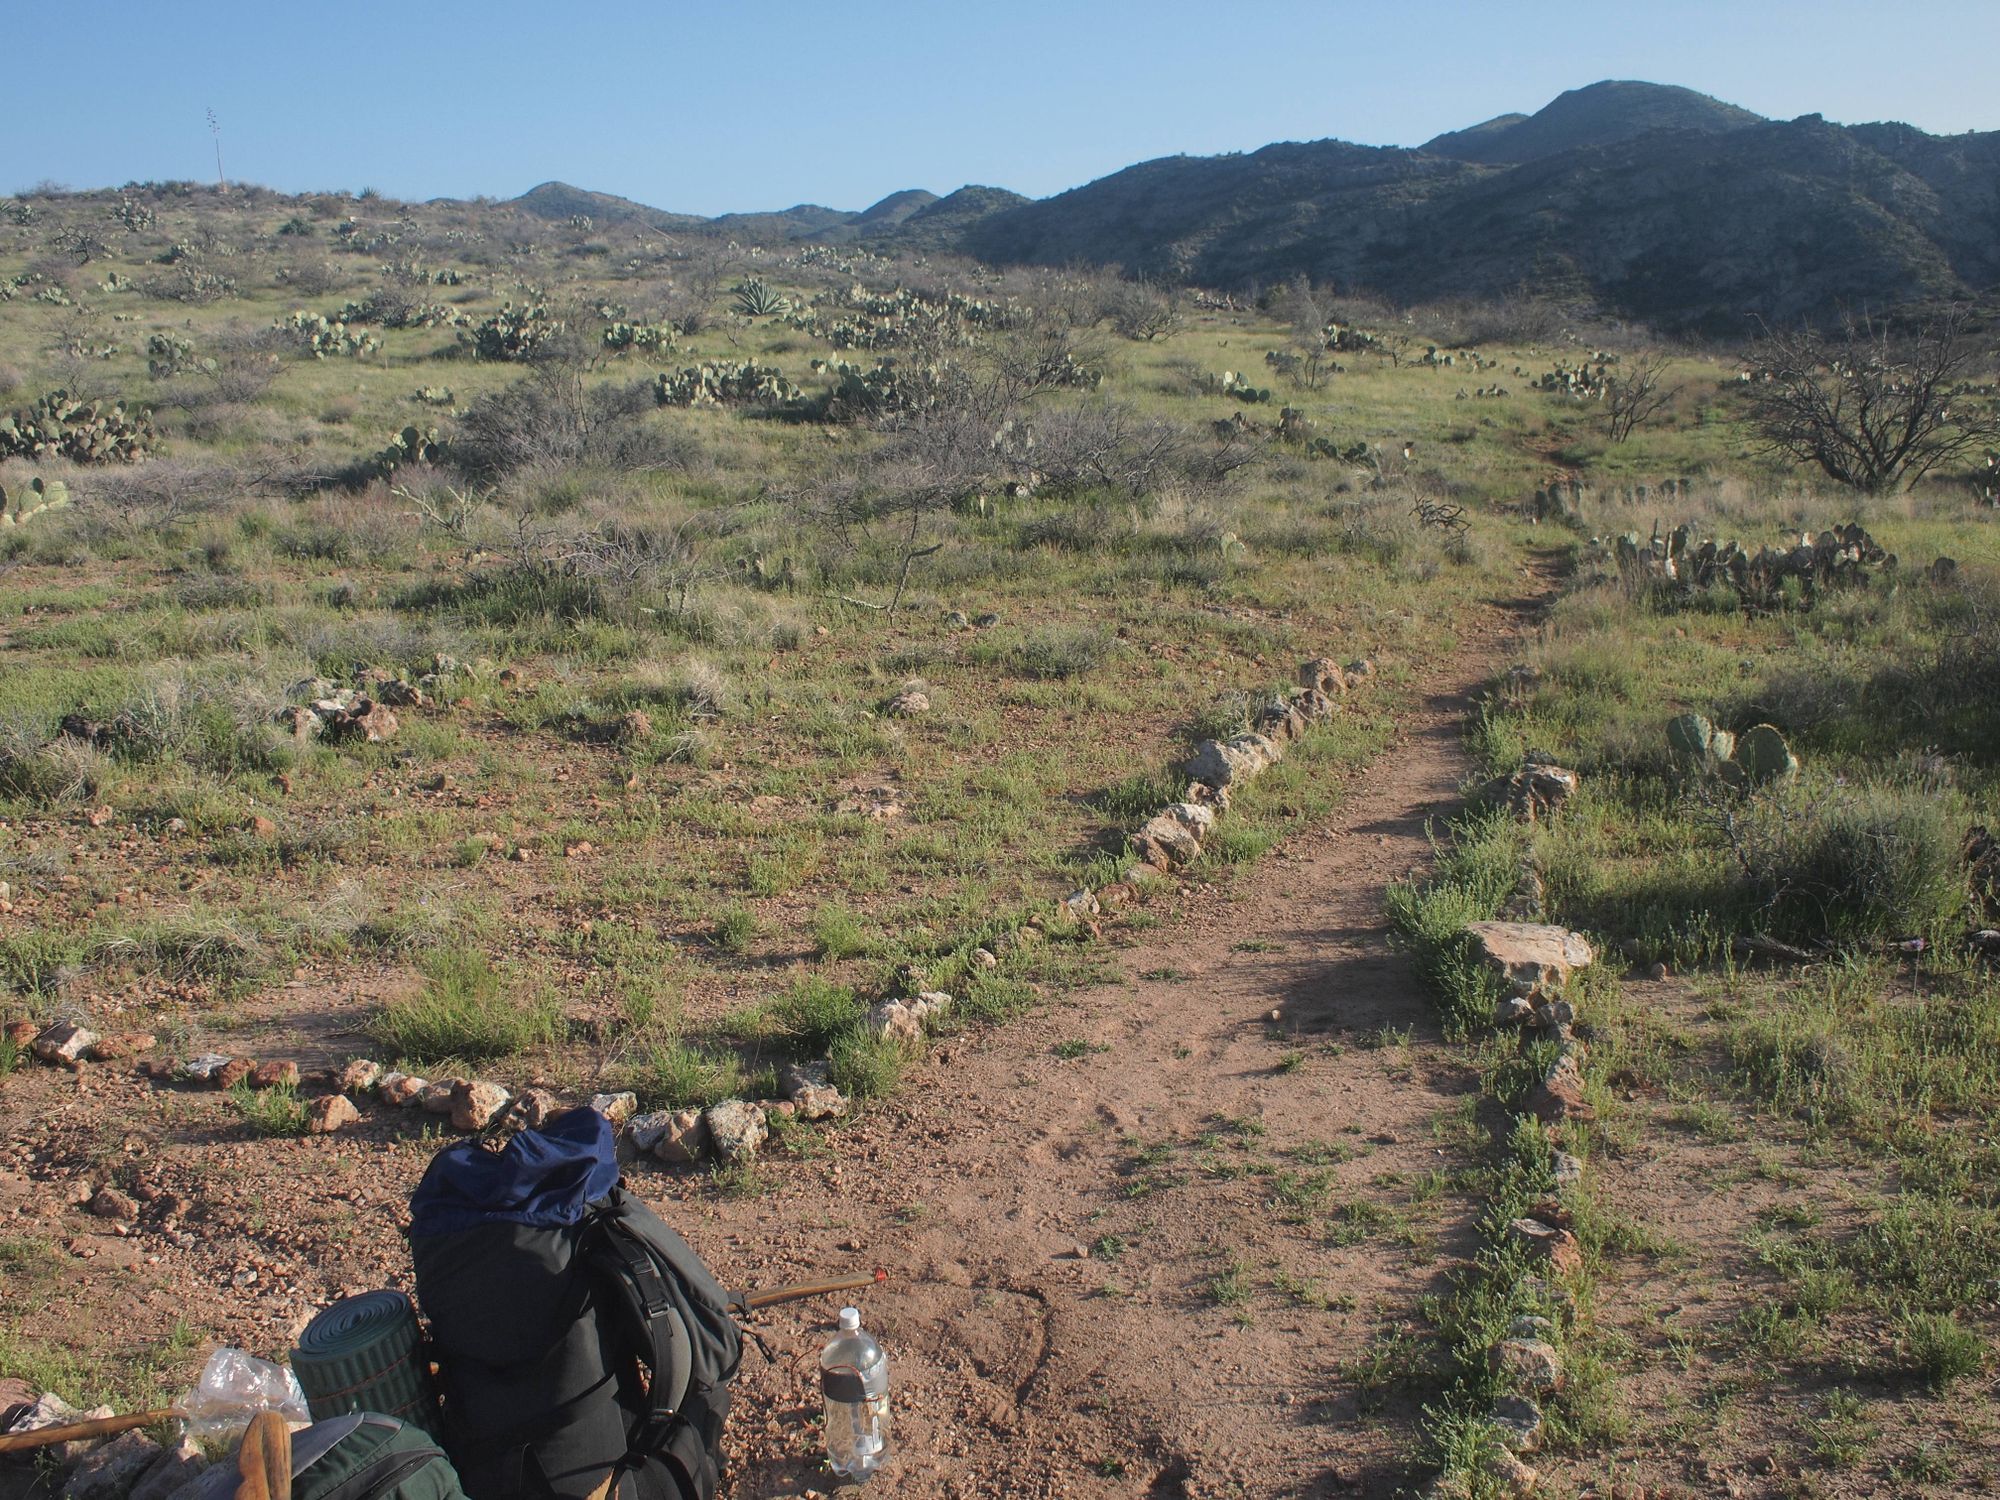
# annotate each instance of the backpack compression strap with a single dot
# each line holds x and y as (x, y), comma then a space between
(663, 1336)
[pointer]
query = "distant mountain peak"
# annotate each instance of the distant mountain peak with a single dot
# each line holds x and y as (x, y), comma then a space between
(1599, 114)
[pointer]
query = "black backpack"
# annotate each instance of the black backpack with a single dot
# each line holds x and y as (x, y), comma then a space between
(578, 1338)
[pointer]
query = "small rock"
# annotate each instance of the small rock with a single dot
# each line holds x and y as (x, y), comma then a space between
(684, 1138)
(1322, 675)
(736, 1129)
(23, 1033)
(174, 1468)
(403, 1090)
(331, 1113)
(986, 621)
(123, 1044)
(912, 702)
(110, 1203)
(109, 1472)
(1512, 1010)
(1360, 667)
(399, 694)
(1657, 972)
(65, 1043)
(1559, 1249)
(475, 1105)
(647, 1130)
(1511, 1475)
(1533, 957)
(536, 1108)
(437, 1097)
(1559, 1096)
(796, 1077)
(1568, 1171)
(1520, 1422)
(201, 1069)
(233, 1072)
(1528, 1366)
(618, 1107)
(895, 1019)
(957, 620)
(276, 1073)
(1312, 706)
(983, 958)
(359, 1076)
(819, 1101)
(1229, 763)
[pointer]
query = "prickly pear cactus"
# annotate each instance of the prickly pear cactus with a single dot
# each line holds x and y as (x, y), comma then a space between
(84, 432)
(724, 383)
(1765, 756)
(40, 498)
(413, 445)
(1694, 740)
(512, 333)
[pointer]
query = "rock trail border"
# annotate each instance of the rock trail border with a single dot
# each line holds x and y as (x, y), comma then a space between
(1099, 1285)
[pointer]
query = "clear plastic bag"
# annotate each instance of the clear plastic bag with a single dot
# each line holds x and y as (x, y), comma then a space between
(233, 1388)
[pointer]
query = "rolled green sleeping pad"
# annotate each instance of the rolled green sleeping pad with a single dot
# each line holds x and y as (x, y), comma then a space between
(367, 1353)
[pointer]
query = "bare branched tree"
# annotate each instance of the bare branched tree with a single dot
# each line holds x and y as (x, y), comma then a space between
(1636, 394)
(1139, 310)
(1873, 406)
(908, 488)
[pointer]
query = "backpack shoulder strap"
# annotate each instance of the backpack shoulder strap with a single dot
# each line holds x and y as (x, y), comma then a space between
(659, 1332)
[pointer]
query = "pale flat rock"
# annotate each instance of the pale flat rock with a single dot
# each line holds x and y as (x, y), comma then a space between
(1533, 957)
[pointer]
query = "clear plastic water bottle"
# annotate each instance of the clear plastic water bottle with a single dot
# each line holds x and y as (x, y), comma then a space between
(854, 1378)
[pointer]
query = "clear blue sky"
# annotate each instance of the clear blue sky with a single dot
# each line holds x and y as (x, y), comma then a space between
(707, 108)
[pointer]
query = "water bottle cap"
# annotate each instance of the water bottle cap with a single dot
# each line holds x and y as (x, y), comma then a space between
(850, 1319)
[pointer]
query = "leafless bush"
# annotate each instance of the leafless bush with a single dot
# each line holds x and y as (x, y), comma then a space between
(1139, 310)
(1636, 394)
(1871, 404)
(312, 277)
(1106, 446)
(1042, 353)
(556, 418)
(151, 497)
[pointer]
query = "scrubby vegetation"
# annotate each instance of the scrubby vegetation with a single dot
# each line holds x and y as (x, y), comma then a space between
(622, 669)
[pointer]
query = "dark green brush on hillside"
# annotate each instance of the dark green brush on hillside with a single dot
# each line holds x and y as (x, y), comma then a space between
(1650, 201)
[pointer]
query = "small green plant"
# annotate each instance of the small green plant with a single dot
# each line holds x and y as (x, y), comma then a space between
(272, 1111)
(463, 1011)
(736, 928)
(1075, 1048)
(866, 1065)
(837, 933)
(1941, 1349)
(676, 1075)
(811, 1014)
(1231, 1287)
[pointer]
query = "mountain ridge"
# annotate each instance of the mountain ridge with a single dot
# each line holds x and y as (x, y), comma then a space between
(1650, 200)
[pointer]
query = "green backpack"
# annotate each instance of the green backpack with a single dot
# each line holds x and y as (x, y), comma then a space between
(362, 1456)
(369, 1457)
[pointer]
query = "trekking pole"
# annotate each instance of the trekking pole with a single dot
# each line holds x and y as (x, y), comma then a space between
(799, 1291)
(69, 1432)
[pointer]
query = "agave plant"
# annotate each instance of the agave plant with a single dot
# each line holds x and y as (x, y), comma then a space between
(755, 299)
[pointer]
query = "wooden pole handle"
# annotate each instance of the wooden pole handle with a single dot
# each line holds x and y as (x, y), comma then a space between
(266, 1460)
(69, 1432)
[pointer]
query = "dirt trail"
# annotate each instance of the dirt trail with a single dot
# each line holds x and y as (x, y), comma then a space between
(1156, 1265)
